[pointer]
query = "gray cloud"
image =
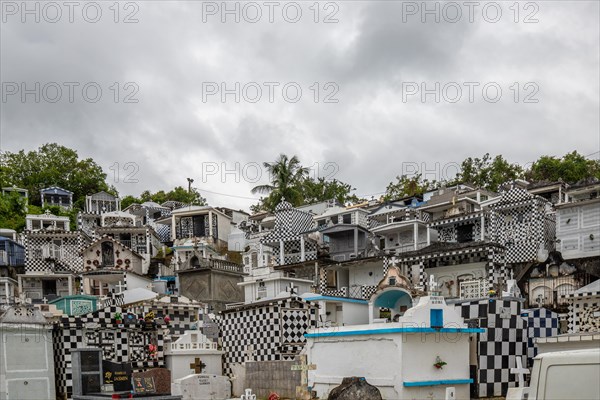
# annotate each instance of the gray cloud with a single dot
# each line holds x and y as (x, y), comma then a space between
(369, 54)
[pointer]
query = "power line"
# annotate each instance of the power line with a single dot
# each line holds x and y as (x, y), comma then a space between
(591, 154)
(227, 195)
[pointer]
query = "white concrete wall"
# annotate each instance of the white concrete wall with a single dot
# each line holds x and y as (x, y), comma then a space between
(236, 241)
(387, 360)
(179, 364)
(355, 313)
(574, 225)
(26, 362)
(224, 227)
(359, 275)
(274, 287)
(135, 281)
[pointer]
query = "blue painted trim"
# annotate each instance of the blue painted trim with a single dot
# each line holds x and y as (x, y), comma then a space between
(394, 330)
(344, 299)
(435, 383)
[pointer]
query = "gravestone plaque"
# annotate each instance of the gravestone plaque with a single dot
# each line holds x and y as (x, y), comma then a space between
(161, 378)
(118, 375)
(143, 385)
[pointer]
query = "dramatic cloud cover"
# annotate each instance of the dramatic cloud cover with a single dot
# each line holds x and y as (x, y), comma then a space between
(375, 61)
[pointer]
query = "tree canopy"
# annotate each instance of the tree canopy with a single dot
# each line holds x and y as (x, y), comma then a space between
(570, 168)
(179, 194)
(487, 172)
(291, 181)
(408, 186)
(53, 165)
(490, 172)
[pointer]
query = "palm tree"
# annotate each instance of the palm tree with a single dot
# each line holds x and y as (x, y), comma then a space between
(286, 175)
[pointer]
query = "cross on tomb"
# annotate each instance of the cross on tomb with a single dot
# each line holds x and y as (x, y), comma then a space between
(197, 365)
(292, 289)
(248, 395)
(520, 371)
(121, 287)
(45, 300)
(432, 285)
(304, 368)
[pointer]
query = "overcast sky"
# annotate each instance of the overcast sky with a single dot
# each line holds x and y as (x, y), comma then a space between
(374, 58)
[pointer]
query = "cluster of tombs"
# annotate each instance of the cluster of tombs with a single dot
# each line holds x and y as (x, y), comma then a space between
(418, 295)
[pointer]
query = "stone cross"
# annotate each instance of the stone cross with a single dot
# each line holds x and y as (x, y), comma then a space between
(520, 371)
(121, 286)
(197, 365)
(304, 368)
(292, 288)
(248, 395)
(45, 300)
(432, 284)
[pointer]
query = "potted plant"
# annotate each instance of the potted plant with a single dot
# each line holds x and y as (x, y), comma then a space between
(439, 364)
(118, 318)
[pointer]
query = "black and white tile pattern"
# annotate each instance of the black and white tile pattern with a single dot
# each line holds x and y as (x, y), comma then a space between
(266, 331)
(540, 323)
(127, 343)
(504, 340)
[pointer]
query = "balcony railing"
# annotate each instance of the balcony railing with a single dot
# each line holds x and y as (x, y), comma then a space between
(222, 265)
(403, 248)
(185, 347)
(341, 292)
(361, 292)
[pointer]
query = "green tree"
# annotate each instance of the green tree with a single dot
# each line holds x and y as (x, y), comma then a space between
(408, 186)
(321, 189)
(286, 175)
(178, 193)
(53, 165)
(570, 168)
(128, 200)
(12, 211)
(488, 173)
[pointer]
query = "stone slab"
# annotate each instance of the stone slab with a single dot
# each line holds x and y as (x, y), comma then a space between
(202, 386)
